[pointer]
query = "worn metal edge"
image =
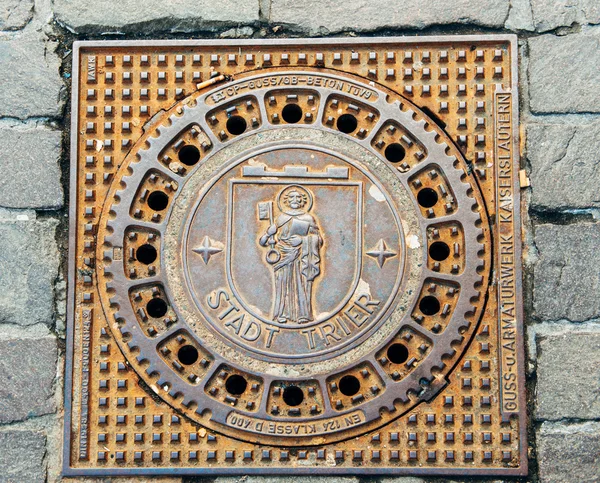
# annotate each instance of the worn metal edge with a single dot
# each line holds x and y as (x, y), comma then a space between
(511, 38)
(70, 326)
(523, 421)
(268, 471)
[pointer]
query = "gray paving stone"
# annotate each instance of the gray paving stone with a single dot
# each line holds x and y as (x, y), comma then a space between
(564, 159)
(237, 33)
(317, 17)
(30, 78)
(568, 371)
(563, 73)
(155, 16)
(27, 372)
(567, 273)
(22, 457)
(551, 14)
(29, 164)
(520, 16)
(28, 268)
(15, 14)
(569, 453)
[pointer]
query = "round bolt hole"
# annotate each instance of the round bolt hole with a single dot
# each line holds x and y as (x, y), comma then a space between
(156, 308)
(439, 251)
(429, 305)
(158, 200)
(187, 355)
(146, 254)
(397, 353)
(189, 155)
(236, 125)
(349, 385)
(291, 113)
(236, 385)
(347, 123)
(293, 396)
(427, 197)
(395, 153)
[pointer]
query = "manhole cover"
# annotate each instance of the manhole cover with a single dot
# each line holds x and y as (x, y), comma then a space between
(295, 256)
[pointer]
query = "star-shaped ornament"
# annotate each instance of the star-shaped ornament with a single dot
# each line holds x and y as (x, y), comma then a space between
(207, 249)
(381, 253)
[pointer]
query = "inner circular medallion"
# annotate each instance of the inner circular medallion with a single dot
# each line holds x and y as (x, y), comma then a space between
(293, 251)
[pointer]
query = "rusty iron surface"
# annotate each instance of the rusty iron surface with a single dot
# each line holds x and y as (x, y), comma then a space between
(295, 256)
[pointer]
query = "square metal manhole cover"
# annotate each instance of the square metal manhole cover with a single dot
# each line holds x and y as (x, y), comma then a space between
(295, 256)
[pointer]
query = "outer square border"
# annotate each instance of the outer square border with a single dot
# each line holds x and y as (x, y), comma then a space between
(522, 470)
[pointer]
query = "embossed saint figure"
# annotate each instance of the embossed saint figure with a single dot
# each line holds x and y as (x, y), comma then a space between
(295, 245)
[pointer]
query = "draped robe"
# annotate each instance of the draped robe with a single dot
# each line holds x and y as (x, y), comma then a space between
(297, 268)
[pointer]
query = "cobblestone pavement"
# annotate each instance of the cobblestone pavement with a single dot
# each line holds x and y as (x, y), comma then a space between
(560, 108)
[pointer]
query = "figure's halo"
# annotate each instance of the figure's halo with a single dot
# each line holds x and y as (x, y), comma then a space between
(294, 187)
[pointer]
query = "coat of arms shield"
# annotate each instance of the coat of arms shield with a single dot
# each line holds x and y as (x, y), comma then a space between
(284, 237)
